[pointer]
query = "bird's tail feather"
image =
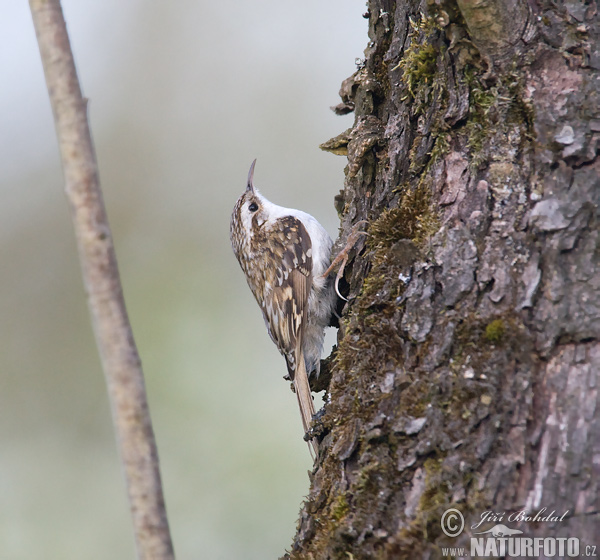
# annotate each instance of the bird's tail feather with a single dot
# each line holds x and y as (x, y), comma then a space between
(304, 396)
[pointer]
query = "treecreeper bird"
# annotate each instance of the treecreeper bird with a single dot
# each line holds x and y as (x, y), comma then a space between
(284, 254)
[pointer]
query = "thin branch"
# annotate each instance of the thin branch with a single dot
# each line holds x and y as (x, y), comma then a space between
(120, 359)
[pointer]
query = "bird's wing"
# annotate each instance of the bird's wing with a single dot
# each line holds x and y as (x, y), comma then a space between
(285, 303)
(287, 284)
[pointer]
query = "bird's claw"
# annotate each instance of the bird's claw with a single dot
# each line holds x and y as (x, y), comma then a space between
(342, 256)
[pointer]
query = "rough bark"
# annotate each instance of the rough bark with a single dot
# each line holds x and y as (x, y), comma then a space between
(114, 337)
(466, 373)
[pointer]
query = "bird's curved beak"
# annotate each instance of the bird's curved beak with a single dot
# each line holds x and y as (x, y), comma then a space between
(250, 185)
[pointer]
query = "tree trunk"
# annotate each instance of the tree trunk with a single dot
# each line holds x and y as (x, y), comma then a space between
(466, 374)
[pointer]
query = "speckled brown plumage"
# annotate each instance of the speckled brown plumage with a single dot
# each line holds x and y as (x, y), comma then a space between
(282, 290)
(284, 269)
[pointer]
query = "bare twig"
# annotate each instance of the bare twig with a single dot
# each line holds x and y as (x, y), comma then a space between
(120, 359)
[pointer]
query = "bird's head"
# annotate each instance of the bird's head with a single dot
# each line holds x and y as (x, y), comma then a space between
(249, 214)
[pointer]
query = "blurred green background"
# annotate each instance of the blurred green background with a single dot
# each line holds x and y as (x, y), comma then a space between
(183, 95)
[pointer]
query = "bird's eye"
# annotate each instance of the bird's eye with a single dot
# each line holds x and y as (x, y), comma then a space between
(253, 207)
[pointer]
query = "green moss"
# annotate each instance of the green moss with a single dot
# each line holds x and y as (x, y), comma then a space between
(482, 98)
(419, 62)
(419, 65)
(394, 242)
(440, 148)
(340, 507)
(426, 84)
(494, 332)
(494, 110)
(415, 399)
(436, 496)
(433, 467)
(412, 219)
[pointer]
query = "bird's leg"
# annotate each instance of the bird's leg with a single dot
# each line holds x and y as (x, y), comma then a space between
(342, 256)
